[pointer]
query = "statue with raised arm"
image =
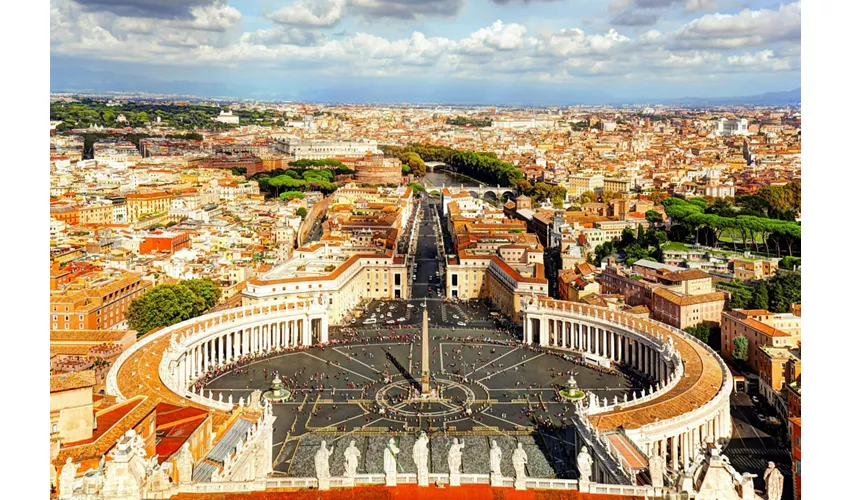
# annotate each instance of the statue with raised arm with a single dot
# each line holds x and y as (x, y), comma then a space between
(420, 458)
(455, 458)
(519, 459)
(773, 482)
(495, 460)
(585, 464)
(352, 457)
(390, 464)
(323, 468)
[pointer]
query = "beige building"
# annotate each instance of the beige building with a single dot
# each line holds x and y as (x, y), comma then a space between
(617, 184)
(96, 213)
(139, 204)
(328, 273)
(760, 328)
(71, 406)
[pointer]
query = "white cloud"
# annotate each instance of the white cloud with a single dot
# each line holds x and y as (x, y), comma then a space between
(747, 28)
(309, 13)
(211, 36)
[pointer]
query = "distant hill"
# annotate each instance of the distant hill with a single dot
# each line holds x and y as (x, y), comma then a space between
(784, 98)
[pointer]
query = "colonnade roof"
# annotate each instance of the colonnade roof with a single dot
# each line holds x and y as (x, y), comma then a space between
(701, 381)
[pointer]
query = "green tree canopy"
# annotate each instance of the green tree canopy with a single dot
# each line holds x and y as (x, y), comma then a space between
(301, 212)
(165, 305)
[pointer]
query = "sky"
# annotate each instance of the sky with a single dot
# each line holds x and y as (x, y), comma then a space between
(477, 51)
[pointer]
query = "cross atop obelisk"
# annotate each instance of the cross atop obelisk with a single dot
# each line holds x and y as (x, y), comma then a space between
(426, 375)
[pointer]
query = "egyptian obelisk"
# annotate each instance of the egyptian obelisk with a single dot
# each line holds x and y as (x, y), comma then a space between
(426, 375)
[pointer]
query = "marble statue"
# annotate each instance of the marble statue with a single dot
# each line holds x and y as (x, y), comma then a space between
(656, 470)
(420, 458)
(323, 468)
(184, 464)
(390, 467)
(585, 464)
(773, 482)
(519, 459)
(495, 460)
(66, 478)
(455, 456)
(352, 457)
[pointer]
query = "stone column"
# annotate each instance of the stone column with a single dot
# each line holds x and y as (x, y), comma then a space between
(544, 332)
(686, 450)
(324, 330)
(563, 334)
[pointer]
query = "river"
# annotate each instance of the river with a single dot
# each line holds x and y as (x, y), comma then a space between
(444, 178)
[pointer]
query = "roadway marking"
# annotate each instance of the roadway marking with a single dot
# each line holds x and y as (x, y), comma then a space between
(342, 367)
(350, 358)
(503, 420)
(491, 362)
(353, 431)
(508, 368)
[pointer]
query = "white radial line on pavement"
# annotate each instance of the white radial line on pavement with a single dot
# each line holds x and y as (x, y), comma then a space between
(343, 421)
(500, 418)
(356, 360)
(507, 389)
(344, 368)
(497, 359)
(361, 427)
(442, 369)
(508, 368)
(500, 431)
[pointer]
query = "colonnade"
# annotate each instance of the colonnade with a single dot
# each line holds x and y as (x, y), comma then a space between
(228, 345)
(593, 339)
(634, 342)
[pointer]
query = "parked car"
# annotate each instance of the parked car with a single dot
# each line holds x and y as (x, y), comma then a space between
(461, 323)
(370, 321)
(761, 418)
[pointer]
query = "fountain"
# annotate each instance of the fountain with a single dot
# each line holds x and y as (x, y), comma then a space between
(277, 394)
(571, 392)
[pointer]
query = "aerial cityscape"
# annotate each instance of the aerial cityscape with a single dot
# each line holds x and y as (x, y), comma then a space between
(498, 291)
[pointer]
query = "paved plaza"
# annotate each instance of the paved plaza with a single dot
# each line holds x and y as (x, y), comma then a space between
(489, 386)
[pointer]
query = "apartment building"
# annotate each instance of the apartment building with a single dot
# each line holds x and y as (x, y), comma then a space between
(141, 204)
(760, 328)
(95, 301)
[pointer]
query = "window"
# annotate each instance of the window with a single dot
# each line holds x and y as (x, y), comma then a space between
(54, 428)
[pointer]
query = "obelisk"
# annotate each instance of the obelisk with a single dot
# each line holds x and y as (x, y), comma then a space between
(426, 389)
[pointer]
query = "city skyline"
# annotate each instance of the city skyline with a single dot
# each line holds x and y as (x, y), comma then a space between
(487, 52)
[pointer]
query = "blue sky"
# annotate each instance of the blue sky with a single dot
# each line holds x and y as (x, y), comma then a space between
(511, 51)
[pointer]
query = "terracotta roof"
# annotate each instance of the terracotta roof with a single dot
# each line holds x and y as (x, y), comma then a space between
(689, 300)
(74, 380)
(97, 336)
(701, 381)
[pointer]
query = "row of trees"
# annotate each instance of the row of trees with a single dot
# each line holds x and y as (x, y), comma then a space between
(90, 112)
(463, 121)
(775, 294)
(168, 304)
(485, 167)
(645, 245)
(691, 217)
(314, 179)
(414, 163)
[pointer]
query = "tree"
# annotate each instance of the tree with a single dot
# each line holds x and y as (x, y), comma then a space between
(288, 195)
(741, 354)
(558, 202)
(704, 332)
(608, 196)
(587, 197)
(164, 305)
(205, 289)
(301, 212)
(652, 217)
(627, 237)
(761, 297)
(414, 161)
